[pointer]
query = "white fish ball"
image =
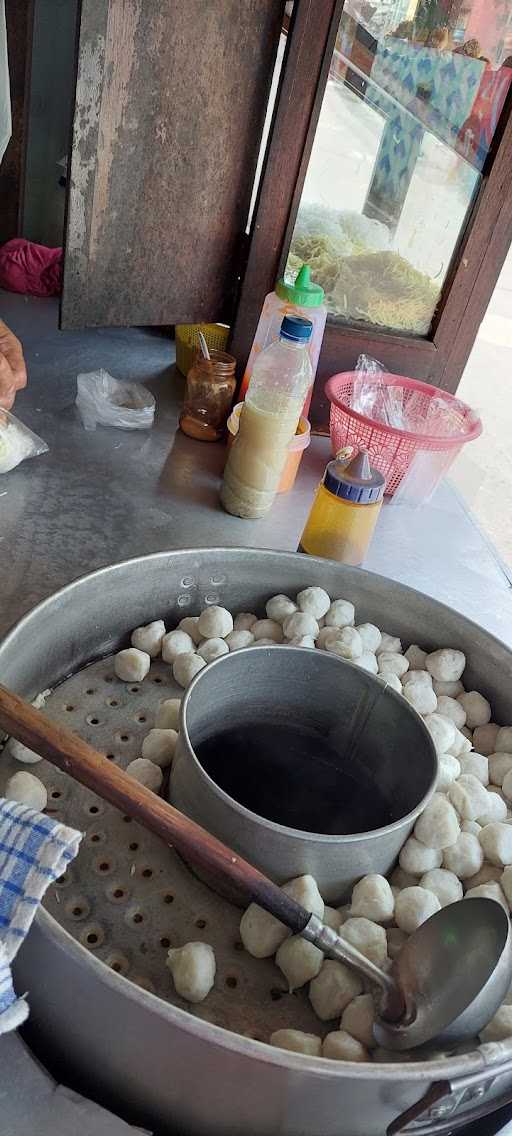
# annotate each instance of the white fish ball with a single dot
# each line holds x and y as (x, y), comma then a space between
(372, 898)
(341, 1046)
(451, 689)
(211, 649)
(302, 641)
(416, 656)
(168, 714)
(442, 732)
(396, 940)
(193, 970)
(300, 623)
(460, 743)
(390, 661)
(185, 667)
(265, 643)
(413, 906)
(496, 841)
(244, 621)
(358, 1019)
(476, 707)
(367, 662)
(27, 790)
(268, 629)
(507, 785)
(446, 665)
(500, 764)
(343, 914)
(504, 740)
(260, 932)
(488, 874)
(420, 696)
(449, 770)
(146, 773)
(475, 764)
(132, 665)
(331, 917)
(468, 796)
(453, 709)
(215, 622)
(340, 614)
(347, 644)
(279, 608)
(149, 638)
(371, 637)
(314, 601)
(496, 809)
(299, 961)
(332, 990)
(368, 937)
(297, 1042)
(190, 624)
(443, 883)
(390, 643)
(500, 1026)
(23, 753)
(304, 890)
(391, 680)
(465, 857)
(506, 884)
(438, 825)
(159, 746)
(488, 891)
(176, 643)
(237, 640)
(401, 879)
(471, 826)
(325, 635)
(417, 676)
(417, 858)
(484, 738)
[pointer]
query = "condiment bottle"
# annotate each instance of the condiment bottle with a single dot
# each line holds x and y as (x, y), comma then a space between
(209, 393)
(268, 421)
(345, 511)
(302, 298)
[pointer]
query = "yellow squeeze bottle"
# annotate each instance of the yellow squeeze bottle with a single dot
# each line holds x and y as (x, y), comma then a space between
(345, 511)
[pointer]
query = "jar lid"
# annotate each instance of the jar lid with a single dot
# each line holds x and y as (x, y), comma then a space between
(303, 292)
(356, 481)
(296, 328)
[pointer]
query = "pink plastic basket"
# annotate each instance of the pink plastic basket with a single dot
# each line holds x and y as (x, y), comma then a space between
(391, 450)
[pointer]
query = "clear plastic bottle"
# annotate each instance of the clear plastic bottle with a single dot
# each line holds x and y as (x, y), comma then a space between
(269, 418)
(302, 298)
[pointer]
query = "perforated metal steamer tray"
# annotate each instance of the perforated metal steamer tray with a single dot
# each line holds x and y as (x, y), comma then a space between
(128, 897)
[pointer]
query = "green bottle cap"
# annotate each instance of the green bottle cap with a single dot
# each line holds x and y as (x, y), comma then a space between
(303, 292)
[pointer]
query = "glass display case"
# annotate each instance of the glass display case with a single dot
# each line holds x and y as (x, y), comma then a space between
(402, 181)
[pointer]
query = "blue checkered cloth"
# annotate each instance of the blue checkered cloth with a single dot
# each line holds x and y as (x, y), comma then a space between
(34, 851)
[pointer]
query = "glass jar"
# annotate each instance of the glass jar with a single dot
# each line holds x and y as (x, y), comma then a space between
(209, 393)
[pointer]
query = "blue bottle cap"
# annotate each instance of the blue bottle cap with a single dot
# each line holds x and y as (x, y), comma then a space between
(355, 482)
(296, 328)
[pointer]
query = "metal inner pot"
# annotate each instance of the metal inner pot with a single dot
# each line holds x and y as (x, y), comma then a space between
(380, 745)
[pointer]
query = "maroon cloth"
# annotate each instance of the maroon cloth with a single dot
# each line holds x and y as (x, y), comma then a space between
(31, 269)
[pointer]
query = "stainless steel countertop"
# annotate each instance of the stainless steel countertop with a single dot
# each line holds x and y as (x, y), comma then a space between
(100, 497)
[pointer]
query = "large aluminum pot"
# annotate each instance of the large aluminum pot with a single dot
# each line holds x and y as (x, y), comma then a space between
(157, 1063)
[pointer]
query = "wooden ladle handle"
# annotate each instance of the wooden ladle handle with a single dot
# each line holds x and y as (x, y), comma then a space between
(84, 764)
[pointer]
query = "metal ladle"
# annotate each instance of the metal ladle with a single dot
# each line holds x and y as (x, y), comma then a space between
(451, 975)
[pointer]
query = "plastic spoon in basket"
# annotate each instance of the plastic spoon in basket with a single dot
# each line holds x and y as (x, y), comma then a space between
(451, 975)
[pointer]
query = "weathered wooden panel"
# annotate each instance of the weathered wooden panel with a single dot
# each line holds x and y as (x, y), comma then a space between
(170, 103)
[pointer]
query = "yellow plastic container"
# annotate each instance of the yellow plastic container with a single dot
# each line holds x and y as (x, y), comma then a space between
(187, 341)
(345, 511)
(295, 449)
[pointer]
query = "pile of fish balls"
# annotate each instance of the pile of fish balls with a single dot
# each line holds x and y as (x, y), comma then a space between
(461, 845)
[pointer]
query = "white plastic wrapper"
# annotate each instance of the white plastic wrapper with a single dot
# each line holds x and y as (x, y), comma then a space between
(17, 442)
(106, 401)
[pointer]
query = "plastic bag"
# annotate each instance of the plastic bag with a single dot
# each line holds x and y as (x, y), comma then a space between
(374, 397)
(17, 442)
(112, 402)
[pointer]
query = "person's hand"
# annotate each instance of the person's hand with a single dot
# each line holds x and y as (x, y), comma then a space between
(13, 372)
